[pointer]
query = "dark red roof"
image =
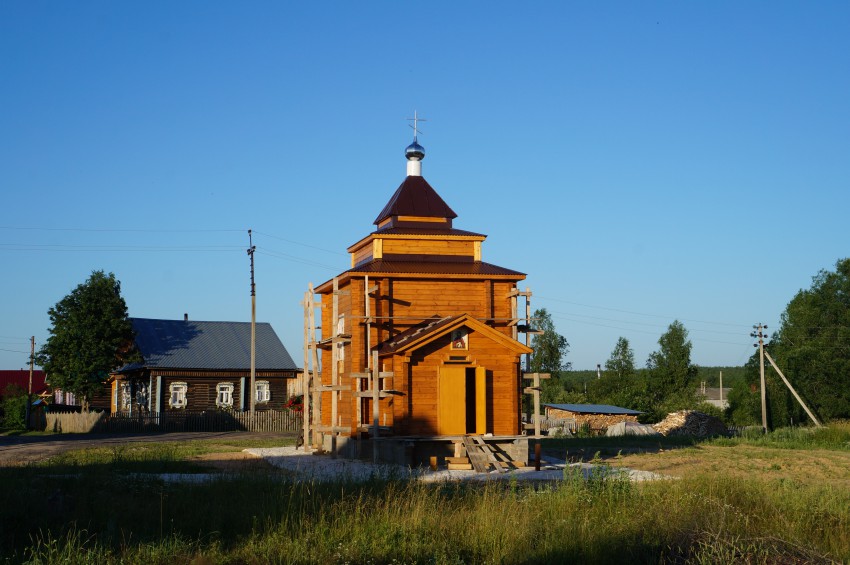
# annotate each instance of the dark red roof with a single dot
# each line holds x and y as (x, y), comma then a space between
(21, 379)
(426, 231)
(433, 267)
(415, 197)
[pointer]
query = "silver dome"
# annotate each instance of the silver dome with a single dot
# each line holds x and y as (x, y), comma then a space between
(414, 151)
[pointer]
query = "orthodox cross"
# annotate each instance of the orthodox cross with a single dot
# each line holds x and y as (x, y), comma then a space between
(415, 119)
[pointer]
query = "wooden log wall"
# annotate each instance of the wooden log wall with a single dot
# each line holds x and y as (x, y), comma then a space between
(419, 407)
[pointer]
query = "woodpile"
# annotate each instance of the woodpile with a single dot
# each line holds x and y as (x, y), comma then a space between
(690, 423)
(599, 422)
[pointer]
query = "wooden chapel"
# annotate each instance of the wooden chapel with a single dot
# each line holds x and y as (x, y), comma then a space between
(419, 337)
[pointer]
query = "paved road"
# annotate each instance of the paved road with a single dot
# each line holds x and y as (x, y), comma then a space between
(20, 450)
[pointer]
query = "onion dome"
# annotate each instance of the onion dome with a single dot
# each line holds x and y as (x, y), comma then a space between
(414, 151)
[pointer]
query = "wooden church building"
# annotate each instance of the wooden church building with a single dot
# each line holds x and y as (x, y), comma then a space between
(421, 315)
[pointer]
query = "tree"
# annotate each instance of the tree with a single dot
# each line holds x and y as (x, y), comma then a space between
(672, 376)
(619, 384)
(90, 336)
(622, 360)
(550, 351)
(550, 348)
(812, 347)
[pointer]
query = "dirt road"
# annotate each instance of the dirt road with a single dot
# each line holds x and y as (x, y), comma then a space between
(20, 450)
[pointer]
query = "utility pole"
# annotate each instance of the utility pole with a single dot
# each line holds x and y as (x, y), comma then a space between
(721, 390)
(759, 333)
(253, 392)
(29, 387)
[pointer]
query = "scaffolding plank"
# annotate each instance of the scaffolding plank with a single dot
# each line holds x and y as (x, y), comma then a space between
(476, 456)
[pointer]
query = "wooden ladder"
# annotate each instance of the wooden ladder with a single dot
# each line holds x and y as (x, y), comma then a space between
(481, 455)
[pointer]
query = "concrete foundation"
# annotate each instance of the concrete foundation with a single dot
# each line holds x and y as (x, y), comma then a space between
(417, 451)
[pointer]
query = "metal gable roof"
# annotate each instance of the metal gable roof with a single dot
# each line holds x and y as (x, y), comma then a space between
(179, 344)
(593, 409)
(21, 379)
(434, 267)
(441, 232)
(415, 197)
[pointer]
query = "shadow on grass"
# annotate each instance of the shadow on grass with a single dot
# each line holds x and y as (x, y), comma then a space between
(576, 450)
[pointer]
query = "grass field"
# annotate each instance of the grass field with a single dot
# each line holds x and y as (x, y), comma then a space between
(783, 497)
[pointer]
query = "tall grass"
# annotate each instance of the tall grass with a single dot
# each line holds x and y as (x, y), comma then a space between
(93, 508)
(268, 519)
(835, 436)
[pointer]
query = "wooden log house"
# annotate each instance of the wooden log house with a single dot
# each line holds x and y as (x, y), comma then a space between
(199, 365)
(440, 322)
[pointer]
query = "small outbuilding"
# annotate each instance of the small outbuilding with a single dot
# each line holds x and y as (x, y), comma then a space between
(597, 416)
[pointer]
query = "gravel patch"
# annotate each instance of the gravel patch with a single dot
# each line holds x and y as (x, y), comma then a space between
(321, 467)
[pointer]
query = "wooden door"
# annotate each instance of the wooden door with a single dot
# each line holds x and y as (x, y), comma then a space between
(480, 400)
(451, 412)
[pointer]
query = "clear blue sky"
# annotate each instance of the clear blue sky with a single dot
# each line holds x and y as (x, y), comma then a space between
(640, 161)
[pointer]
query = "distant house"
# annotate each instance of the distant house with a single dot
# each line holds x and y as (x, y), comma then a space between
(188, 365)
(715, 396)
(597, 416)
(20, 378)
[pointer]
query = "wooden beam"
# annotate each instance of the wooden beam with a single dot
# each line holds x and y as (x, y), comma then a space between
(334, 429)
(536, 375)
(791, 388)
(376, 399)
(381, 375)
(305, 387)
(334, 388)
(314, 364)
(334, 365)
(535, 393)
(382, 394)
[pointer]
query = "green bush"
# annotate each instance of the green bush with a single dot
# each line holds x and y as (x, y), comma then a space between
(14, 417)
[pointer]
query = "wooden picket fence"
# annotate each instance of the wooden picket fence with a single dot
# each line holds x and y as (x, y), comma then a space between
(177, 421)
(547, 424)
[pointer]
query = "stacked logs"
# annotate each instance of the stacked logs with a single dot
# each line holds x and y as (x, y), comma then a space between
(690, 423)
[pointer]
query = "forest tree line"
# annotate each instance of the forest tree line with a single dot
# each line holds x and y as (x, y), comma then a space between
(811, 346)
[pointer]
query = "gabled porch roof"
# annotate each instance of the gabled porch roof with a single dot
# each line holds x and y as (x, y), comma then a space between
(438, 326)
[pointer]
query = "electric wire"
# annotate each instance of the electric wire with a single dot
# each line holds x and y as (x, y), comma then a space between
(644, 323)
(279, 255)
(299, 243)
(148, 248)
(641, 313)
(292, 258)
(121, 230)
(632, 330)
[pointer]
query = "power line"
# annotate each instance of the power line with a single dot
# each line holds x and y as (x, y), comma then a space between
(279, 255)
(147, 248)
(701, 339)
(299, 243)
(640, 313)
(120, 230)
(14, 351)
(642, 323)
